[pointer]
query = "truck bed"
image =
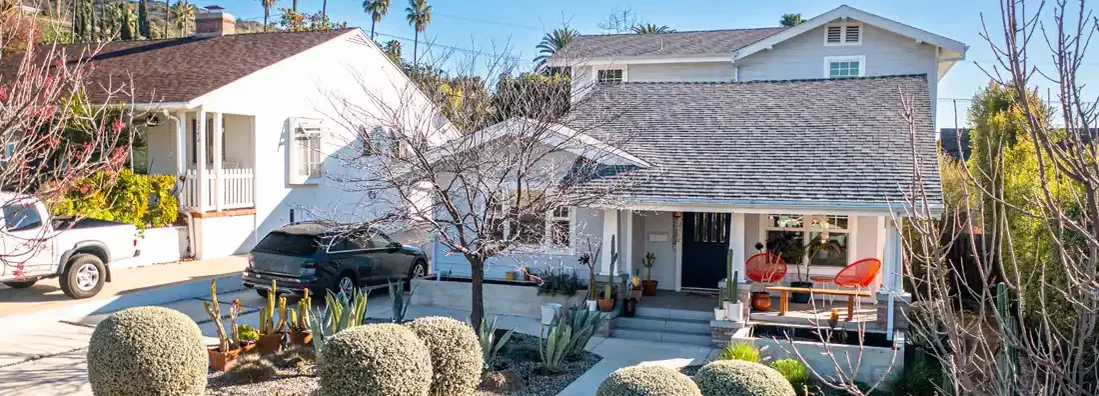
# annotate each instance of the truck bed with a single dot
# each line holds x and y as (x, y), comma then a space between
(73, 223)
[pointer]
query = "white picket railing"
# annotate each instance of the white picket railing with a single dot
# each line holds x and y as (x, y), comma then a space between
(236, 189)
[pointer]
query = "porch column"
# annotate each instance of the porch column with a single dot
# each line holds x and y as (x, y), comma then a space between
(891, 261)
(219, 194)
(200, 149)
(736, 243)
(610, 231)
(892, 301)
(181, 142)
(625, 258)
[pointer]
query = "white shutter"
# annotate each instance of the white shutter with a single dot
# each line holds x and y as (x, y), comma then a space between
(834, 34)
(851, 35)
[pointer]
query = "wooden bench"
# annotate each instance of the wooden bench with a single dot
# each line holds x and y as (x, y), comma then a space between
(784, 296)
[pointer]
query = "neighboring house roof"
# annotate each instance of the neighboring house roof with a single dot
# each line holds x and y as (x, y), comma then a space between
(948, 140)
(798, 142)
(182, 69)
(712, 42)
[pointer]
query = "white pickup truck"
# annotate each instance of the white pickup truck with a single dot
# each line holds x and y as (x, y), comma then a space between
(36, 246)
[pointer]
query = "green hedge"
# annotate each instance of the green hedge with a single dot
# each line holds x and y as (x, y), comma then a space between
(141, 200)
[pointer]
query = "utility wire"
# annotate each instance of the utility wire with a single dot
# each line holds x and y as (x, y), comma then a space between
(466, 50)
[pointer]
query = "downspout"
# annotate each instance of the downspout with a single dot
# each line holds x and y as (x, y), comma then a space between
(190, 216)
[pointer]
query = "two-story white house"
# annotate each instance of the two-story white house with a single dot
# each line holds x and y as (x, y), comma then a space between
(761, 135)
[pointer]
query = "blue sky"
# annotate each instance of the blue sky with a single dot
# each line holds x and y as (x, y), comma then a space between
(490, 25)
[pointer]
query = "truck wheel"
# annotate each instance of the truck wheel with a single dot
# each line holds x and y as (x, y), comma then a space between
(84, 276)
(21, 284)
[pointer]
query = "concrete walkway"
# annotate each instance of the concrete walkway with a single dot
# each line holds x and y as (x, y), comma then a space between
(620, 352)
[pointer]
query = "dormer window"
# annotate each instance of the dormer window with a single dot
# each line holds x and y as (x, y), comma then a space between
(844, 66)
(849, 33)
(611, 76)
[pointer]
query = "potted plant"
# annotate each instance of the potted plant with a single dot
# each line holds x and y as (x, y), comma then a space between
(648, 286)
(511, 276)
(272, 334)
(224, 355)
(236, 338)
(299, 324)
(734, 309)
(606, 304)
(635, 286)
(761, 299)
(526, 274)
(247, 337)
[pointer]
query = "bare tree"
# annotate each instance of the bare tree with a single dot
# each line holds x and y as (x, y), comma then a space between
(53, 135)
(487, 193)
(1025, 324)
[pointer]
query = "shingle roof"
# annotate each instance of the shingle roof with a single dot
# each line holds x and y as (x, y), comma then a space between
(709, 42)
(800, 142)
(178, 70)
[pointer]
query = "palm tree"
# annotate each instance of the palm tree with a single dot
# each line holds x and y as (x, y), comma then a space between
(392, 49)
(167, 17)
(183, 13)
(551, 43)
(377, 9)
(419, 15)
(648, 28)
(791, 20)
(324, 10)
(267, 4)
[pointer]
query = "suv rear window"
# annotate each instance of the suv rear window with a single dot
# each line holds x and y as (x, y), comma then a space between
(287, 243)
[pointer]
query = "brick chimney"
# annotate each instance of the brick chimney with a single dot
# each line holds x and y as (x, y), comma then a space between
(214, 22)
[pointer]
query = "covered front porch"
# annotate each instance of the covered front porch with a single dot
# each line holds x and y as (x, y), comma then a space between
(214, 156)
(691, 247)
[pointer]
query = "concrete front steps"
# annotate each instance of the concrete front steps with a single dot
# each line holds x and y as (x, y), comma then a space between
(666, 325)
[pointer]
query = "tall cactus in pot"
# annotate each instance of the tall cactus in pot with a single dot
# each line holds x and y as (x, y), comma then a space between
(606, 304)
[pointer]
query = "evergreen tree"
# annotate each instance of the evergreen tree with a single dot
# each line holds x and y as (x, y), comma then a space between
(143, 26)
(127, 22)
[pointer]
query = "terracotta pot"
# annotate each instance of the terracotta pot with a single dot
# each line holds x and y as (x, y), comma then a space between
(247, 347)
(648, 287)
(270, 343)
(761, 301)
(223, 361)
(301, 337)
(606, 305)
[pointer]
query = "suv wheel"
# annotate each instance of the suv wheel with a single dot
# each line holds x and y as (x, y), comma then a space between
(346, 284)
(21, 284)
(84, 276)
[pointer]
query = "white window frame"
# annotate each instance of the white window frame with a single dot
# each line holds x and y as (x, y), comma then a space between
(546, 245)
(807, 229)
(625, 74)
(828, 60)
(302, 168)
(843, 34)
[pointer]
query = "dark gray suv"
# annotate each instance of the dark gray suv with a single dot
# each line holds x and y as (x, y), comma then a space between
(311, 255)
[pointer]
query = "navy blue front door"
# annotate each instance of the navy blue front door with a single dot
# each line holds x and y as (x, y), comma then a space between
(705, 248)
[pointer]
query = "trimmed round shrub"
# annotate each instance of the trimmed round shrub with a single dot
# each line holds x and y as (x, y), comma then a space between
(741, 378)
(647, 381)
(456, 357)
(376, 360)
(794, 371)
(147, 351)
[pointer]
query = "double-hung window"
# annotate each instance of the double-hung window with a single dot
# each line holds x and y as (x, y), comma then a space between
(306, 156)
(844, 66)
(826, 239)
(552, 229)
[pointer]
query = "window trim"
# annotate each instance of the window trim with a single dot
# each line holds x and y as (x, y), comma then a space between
(807, 229)
(303, 130)
(828, 60)
(548, 219)
(843, 34)
(625, 73)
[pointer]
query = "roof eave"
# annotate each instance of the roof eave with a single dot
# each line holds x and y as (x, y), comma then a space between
(637, 60)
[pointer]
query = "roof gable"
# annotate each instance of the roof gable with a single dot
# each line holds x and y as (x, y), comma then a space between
(952, 48)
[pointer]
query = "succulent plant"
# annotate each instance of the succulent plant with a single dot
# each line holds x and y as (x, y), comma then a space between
(490, 345)
(340, 313)
(741, 378)
(647, 380)
(456, 356)
(381, 359)
(251, 369)
(213, 309)
(147, 351)
(299, 320)
(247, 333)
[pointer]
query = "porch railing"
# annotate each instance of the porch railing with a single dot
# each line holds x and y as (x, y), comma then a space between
(236, 189)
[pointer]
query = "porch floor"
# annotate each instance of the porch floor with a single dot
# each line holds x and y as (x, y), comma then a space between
(817, 312)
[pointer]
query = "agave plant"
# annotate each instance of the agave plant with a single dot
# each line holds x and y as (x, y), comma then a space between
(489, 344)
(340, 313)
(584, 324)
(400, 304)
(555, 344)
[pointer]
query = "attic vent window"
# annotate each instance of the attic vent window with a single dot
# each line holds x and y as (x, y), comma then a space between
(843, 34)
